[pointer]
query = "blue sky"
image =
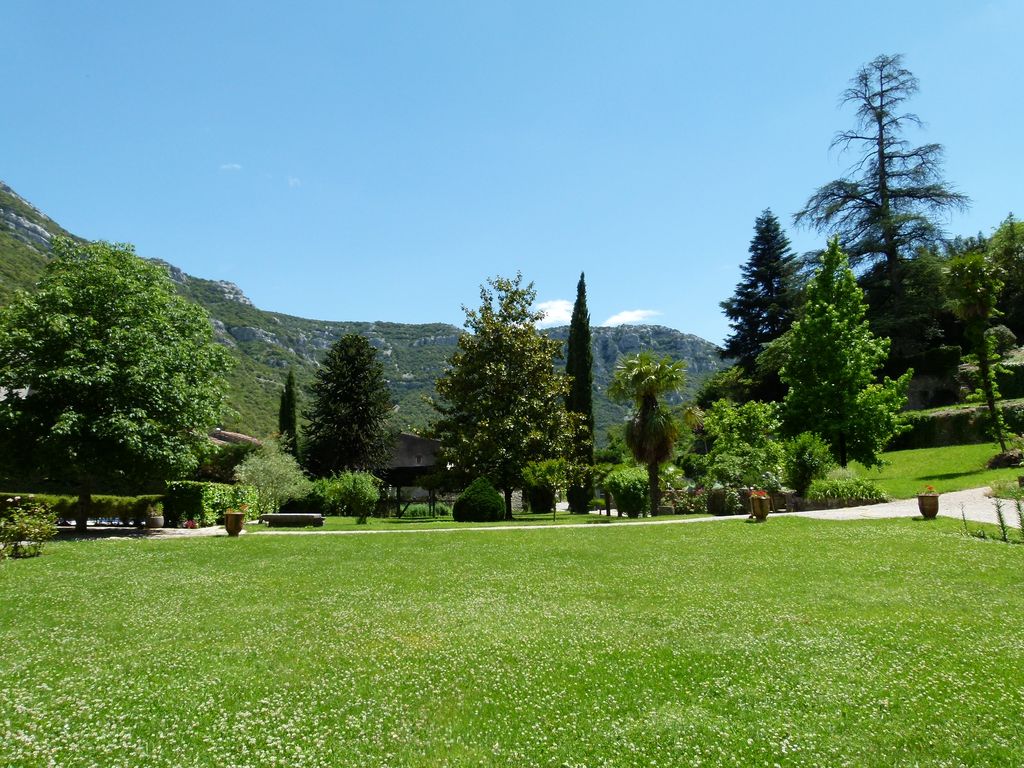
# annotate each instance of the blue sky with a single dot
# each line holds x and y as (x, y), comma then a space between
(380, 160)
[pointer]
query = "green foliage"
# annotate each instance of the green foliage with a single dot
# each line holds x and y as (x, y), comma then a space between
(1005, 249)
(745, 449)
(354, 494)
(275, 475)
(287, 416)
(808, 458)
(220, 461)
(830, 368)
(579, 366)
(348, 425)
(974, 287)
(652, 431)
(853, 490)
(26, 523)
(761, 309)
(542, 479)
(502, 405)
(419, 510)
(205, 503)
(124, 376)
(630, 489)
(479, 503)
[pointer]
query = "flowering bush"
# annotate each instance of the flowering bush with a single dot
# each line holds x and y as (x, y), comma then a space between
(929, 490)
(25, 524)
(759, 494)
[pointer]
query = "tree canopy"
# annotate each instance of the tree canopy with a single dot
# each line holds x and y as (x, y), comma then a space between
(887, 204)
(287, 416)
(831, 360)
(123, 378)
(348, 420)
(501, 403)
(761, 309)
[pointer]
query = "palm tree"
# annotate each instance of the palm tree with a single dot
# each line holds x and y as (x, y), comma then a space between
(652, 431)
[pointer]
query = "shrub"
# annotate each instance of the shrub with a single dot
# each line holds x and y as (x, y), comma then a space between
(205, 503)
(850, 489)
(124, 508)
(422, 509)
(25, 524)
(354, 494)
(629, 487)
(275, 475)
(542, 480)
(479, 503)
(808, 458)
(689, 502)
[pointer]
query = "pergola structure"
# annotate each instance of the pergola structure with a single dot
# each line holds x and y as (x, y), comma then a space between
(412, 457)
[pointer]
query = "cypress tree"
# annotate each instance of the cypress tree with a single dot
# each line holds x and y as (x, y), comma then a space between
(579, 364)
(287, 419)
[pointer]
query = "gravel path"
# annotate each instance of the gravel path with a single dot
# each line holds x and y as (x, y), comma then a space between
(977, 507)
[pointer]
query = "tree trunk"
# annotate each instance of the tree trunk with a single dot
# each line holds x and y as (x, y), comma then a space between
(508, 503)
(654, 486)
(842, 450)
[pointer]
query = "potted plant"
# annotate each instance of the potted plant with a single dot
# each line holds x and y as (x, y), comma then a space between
(234, 520)
(155, 516)
(760, 503)
(928, 503)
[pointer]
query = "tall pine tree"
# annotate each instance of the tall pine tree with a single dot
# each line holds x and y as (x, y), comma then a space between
(287, 419)
(761, 310)
(579, 364)
(348, 420)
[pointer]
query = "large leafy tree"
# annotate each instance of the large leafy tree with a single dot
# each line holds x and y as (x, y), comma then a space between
(111, 377)
(888, 203)
(1005, 249)
(287, 416)
(831, 360)
(651, 432)
(761, 309)
(579, 365)
(974, 286)
(348, 420)
(501, 403)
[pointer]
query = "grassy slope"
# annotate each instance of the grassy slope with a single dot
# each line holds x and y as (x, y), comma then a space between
(793, 643)
(906, 473)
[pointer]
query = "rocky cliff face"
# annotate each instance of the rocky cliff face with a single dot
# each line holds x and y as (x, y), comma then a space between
(266, 344)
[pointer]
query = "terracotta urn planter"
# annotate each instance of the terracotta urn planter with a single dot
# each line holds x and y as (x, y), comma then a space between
(928, 504)
(759, 507)
(234, 522)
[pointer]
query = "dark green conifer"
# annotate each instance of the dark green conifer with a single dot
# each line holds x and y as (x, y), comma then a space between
(287, 418)
(579, 364)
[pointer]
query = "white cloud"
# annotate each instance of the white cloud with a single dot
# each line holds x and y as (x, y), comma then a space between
(294, 182)
(231, 167)
(556, 311)
(631, 316)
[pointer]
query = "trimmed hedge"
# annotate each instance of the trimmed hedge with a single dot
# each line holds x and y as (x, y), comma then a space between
(205, 503)
(479, 503)
(127, 509)
(960, 426)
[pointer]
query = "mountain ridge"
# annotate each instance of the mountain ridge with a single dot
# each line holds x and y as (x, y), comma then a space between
(265, 344)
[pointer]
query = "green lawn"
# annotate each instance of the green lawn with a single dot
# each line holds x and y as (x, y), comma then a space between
(953, 468)
(427, 523)
(794, 643)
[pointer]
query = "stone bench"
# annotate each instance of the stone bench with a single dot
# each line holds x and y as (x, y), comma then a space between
(293, 519)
